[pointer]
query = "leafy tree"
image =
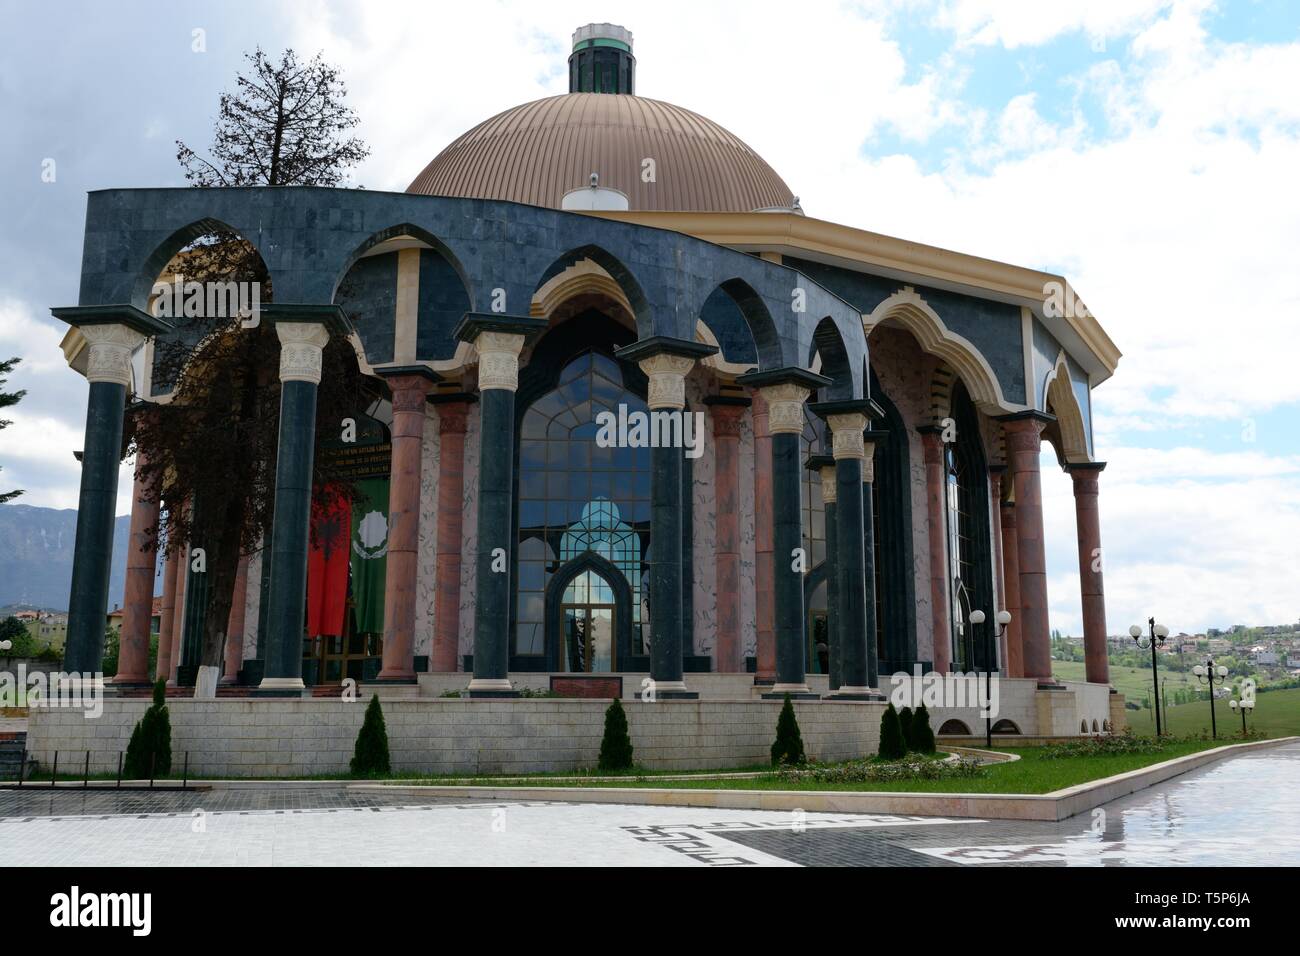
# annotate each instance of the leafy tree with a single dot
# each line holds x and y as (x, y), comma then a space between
(788, 747)
(210, 453)
(370, 756)
(616, 745)
(7, 399)
(150, 751)
(892, 746)
(922, 740)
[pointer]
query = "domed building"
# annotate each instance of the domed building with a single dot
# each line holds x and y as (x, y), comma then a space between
(641, 427)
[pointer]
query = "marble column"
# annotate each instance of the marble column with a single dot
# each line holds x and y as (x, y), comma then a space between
(1086, 479)
(936, 505)
(999, 563)
(1023, 440)
(112, 335)
(137, 603)
(785, 391)
(410, 387)
(728, 414)
(498, 340)
(178, 612)
(666, 362)
(824, 465)
(1011, 578)
(235, 624)
(764, 567)
(452, 413)
(302, 344)
(162, 666)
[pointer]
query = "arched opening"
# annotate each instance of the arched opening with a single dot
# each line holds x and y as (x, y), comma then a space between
(970, 566)
(1005, 726)
(891, 512)
(622, 276)
(589, 598)
(953, 728)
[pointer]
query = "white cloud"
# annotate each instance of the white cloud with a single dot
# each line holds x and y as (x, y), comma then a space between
(1017, 23)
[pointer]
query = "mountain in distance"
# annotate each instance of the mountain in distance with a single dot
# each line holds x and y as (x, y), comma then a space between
(36, 546)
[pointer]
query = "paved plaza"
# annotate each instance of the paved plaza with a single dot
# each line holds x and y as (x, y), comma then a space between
(1243, 810)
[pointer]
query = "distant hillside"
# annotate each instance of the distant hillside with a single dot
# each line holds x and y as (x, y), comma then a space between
(36, 556)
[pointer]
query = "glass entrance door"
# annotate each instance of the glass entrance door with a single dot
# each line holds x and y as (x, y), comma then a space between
(589, 637)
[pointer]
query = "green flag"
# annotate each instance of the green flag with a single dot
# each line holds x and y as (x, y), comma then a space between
(370, 553)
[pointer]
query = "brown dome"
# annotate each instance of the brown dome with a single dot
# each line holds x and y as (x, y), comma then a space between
(537, 152)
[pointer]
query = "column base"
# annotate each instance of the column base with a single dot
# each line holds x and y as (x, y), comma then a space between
(280, 687)
(1048, 683)
(134, 683)
(855, 693)
(491, 687)
(394, 679)
(796, 692)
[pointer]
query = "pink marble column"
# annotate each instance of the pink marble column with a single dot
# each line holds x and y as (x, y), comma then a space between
(1096, 662)
(137, 602)
(941, 623)
(167, 614)
(409, 393)
(451, 502)
(1024, 439)
(727, 417)
(1011, 577)
(999, 565)
(764, 545)
(178, 617)
(235, 624)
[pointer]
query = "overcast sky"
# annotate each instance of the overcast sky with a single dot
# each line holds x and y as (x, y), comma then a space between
(1148, 150)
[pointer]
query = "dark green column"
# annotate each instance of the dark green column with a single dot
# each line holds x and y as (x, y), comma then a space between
(869, 577)
(787, 540)
(823, 469)
(92, 555)
(856, 621)
(498, 339)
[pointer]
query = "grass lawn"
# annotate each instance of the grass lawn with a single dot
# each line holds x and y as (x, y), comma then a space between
(1277, 714)
(1133, 682)
(1030, 774)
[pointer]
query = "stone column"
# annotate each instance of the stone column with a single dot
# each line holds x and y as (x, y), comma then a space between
(1086, 476)
(111, 338)
(410, 388)
(856, 587)
(666, 362)
(162, 667)
(1011, 584)
(235, 624)
(498, 340)
(452, 413)
(1023, 439)
(764, 567)
(301, 347)
(178, 612)
(999, 563)
(137, 603)
(785, 391)
(728, 414)
(935, 485)
(824, 465)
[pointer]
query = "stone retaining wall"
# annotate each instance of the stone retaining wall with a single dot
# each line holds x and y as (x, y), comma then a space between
(303, 737)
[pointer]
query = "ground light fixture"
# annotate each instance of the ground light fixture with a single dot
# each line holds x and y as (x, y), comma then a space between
(1156, 634)
(1245, 705)
(1211, 674)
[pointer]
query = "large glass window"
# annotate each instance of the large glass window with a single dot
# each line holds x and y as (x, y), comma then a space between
(575, 496)
(969, 563)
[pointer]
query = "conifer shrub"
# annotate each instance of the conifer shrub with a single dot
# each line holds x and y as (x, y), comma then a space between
(922, 741)
(788, 748)
(616, 745)
(905, 723)
(370, 756)
(149, 752)
(892, 746)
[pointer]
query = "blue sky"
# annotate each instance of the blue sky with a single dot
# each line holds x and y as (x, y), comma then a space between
(1146, 149)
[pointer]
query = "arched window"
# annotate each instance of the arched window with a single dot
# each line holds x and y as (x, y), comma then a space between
(894, 564)
(576, 496)
(970, 568)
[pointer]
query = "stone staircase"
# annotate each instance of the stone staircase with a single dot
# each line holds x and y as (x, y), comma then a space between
(12, 748)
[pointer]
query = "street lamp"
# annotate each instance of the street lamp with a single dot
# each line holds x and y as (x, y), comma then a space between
(1157, 635)
(1210, 673)
(1003, 619)
(1243, 705)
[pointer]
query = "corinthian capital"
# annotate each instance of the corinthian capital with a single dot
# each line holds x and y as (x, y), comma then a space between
(301, 347)
(109, 356)
(785, 407)
(846, 435)
(667, 374)
(498, 359)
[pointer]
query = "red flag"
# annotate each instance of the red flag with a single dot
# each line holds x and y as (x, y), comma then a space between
(327, 566)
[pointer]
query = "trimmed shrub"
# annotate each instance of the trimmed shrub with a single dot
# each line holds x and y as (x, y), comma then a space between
(370, 756)
(788, 748)
(905, 724)
(892, 746)
(150, 750)
(922, 741)
(616, 745)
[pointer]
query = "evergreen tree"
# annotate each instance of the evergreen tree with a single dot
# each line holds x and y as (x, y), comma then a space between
(905, 724)
(370, 756)
(149, 752)
(892, 746)
(922, 741)
(788, 748)
(616, 746)
(7, 399)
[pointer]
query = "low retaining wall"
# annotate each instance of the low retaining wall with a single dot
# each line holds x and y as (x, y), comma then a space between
(305, 737)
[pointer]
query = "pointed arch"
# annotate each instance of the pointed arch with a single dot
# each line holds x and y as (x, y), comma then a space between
(1059, 398)
(392, 238)
(620, 273)
(907, 308)
(555, 587)
(828, 345)
(762, 327)
(157, 261)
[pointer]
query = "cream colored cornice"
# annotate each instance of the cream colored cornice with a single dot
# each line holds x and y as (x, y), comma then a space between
(835, 244)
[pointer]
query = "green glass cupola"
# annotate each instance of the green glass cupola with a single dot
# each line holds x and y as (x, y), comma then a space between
(602, 60)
